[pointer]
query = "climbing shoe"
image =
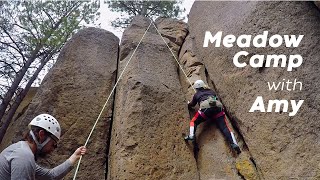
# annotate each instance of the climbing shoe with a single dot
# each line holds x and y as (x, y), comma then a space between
(236, 148)
(191, 138)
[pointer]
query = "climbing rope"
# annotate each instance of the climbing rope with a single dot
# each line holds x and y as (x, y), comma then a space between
(95, 124)
(174, 56)
(105, 104)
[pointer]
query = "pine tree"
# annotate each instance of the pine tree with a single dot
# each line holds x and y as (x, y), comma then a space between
(31, 35)
(151, 9)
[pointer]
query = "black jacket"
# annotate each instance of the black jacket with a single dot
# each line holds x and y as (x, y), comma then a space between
(201, 95)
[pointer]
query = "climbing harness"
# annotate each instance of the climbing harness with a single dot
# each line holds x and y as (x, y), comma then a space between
(151, 22)
(214, 117)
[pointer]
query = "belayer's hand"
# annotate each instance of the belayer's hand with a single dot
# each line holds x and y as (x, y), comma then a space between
(77, 154)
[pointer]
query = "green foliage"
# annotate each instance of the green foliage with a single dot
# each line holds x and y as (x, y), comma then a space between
(151, 9)
(31, 35)
(50, 23)
(30, 30)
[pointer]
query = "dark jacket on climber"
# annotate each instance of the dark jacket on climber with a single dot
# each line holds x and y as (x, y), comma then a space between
(210, 109)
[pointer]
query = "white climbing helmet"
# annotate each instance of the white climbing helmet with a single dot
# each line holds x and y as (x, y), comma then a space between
(199, 84)
(47, 122)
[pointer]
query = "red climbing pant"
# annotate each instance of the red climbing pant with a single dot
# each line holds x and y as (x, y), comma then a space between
(214, 115)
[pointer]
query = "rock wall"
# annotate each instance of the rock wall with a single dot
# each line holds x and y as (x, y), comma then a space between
(19, 112)
(150, 110)
(212, 148)
(215, 159)
(282, 147)
(74, 92)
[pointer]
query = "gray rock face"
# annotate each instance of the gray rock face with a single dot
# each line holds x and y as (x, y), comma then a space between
(74, 92)
(192, 66)
(214, 161)
(282, 146)
(10, 134)
(150, 112)
(150, 102)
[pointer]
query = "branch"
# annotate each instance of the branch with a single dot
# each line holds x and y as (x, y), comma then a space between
(14, 57)
(14, 42)
(9, 45)
(8, 65)
(49, 16)
(32, 22)
(127, 7)
(29, 30)
(57, 24)
(5, 76)
(44, 39)
(154, 8)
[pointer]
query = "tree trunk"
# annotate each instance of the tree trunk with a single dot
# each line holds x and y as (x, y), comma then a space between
(10, 93)
(18, 100)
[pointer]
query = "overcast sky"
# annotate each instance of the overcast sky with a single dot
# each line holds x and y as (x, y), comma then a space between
(107, 16)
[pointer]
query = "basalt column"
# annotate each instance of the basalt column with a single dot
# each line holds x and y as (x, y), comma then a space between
(149, 112)
(282, 146)
(74, 92)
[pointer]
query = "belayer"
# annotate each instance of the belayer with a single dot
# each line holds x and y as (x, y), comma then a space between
(210, 109)
(18, 160)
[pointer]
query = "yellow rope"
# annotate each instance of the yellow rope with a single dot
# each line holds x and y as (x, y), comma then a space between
(105, 104)
(75, 174)
(174, 57)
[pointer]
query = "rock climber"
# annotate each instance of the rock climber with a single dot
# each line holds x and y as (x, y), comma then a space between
(17, 161)
(210, 109)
